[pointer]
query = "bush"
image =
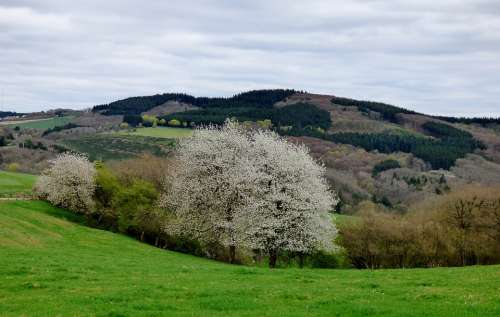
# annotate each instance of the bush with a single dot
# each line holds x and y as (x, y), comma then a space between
(324, 260)
(68, 182)
(385, 166)
(13, 167)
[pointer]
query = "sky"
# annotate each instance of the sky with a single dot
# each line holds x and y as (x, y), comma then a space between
(436, 57)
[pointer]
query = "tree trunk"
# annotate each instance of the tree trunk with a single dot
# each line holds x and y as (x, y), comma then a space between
(273, 257)
(142, 236)
(301, 259)
(157, 241)
(232, 254)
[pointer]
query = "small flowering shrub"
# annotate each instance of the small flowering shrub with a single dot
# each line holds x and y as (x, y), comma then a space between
(69, 182)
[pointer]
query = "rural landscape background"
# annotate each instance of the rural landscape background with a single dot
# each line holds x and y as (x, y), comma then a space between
(205, 158)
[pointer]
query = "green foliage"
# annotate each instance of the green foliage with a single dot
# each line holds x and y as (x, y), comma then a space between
(299, 116)
(485, 121)
(132, 119)
(107, 186)
(29, 144)
(174, 123)
(441, 154)
(385, 166)
(60, 128)
(441, 130)
(324, 260)
(302, 115)
(131, 202)
(52, 265)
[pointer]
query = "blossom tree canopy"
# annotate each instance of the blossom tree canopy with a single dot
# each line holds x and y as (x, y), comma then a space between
(69, 182)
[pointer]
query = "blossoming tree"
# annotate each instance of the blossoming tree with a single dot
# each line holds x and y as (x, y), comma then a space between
(69, 182)
(253, 189)
(292, 203)
(214, 181)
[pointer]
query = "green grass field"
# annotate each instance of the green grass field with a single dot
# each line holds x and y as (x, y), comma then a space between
(111, 146)
(160, 132)
(43, 124)
(12, 184)
(52, 265)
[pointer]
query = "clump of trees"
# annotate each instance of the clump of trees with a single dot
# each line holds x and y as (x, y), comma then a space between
(254, 190)
(385, 166)
(388, 112)
(227, 191)
(458, 229)
(440, 154)
(60, 128)
(251, 99)
(298, 116)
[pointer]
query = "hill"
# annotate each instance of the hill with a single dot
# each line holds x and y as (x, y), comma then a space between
(51, 264)
(353, 138)
(358, 141)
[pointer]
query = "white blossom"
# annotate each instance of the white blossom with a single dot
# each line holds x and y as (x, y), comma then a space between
(213, 182)
(291, 211)
(251, 188)
(69, 182)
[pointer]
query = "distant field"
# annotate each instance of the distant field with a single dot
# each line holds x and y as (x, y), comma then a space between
(160, 132)
(111, 146)
(52, 265)
(42, 124)
(14, 183)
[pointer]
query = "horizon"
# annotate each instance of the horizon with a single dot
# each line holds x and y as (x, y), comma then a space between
(229, 96)
(433, 58)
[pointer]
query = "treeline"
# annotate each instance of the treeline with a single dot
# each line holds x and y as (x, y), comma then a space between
(387, 111)
(484, 121)
(296, 116)
(456, 230)
(59, 128)
(250, 99)
(440, 154)
(4, 114)
(441, 130)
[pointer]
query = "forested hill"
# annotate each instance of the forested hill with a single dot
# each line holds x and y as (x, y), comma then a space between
(373, 152)
(251, 99)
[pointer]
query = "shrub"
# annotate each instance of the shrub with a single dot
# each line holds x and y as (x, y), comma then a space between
(385, 166)
(13, 167)
(69, 182)
(324, 260)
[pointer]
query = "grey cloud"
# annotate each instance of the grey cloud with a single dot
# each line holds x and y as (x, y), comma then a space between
(438, 57)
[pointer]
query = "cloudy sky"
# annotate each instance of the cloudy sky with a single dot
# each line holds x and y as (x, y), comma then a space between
(438, 57)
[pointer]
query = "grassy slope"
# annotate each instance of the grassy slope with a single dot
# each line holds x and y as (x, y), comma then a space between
(112, 146)
(44, 124)
(52, 266)
(160, 132)
(13, 183)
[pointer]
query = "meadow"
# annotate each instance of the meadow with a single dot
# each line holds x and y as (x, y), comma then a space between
(113, 146)
(12, 184)
(159, 132)
(52, 264)
(42, 124)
